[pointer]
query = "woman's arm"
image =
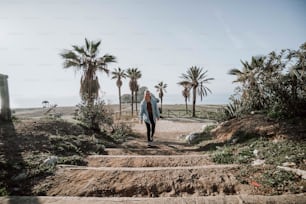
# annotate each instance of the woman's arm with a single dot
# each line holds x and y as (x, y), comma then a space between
(157, 113)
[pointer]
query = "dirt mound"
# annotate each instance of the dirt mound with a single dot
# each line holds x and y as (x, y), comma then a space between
(246, 127)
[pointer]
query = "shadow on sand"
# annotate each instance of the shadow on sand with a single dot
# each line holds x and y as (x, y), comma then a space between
(12, 164)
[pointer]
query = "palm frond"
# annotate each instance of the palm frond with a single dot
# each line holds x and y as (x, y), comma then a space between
(79, 50)
(87, 43)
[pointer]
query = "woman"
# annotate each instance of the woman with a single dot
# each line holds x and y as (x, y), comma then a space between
(149, 113)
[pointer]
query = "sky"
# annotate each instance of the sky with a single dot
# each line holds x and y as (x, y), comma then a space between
(162, 38)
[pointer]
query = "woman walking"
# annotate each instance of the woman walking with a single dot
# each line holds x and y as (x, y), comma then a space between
(149, 113)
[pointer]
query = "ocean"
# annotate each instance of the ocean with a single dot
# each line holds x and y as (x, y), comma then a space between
(33, 102)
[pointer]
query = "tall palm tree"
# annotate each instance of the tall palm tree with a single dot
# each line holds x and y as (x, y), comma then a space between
(86, 59)
(119, 74)
(134, 74)
(186, 93)
(161, 88)
(196, 78)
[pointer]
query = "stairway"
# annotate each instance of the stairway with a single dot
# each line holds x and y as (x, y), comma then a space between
(145, 176)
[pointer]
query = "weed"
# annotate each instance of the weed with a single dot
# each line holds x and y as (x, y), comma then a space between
(72, 160)
(280, 180)
(224, 156)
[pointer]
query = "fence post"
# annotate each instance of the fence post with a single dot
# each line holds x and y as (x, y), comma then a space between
(5, 111)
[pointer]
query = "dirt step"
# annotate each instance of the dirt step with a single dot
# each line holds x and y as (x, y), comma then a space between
(144, 150)
(147, 160)
(143, 182)
(158, 168)
(233, 199)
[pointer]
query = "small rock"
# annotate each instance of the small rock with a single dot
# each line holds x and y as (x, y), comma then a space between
(51, 161)
(20, 177)
(289, 164)
(258, 162)
(255, 152)
(191, 137)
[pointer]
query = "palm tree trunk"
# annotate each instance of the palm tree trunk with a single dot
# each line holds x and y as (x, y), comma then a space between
(119, 102)
(161, 105)
(132, 102)
(186, 105)
(194, 101)
(136, 101)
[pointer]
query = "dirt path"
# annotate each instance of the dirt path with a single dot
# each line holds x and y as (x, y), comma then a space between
(169, 139)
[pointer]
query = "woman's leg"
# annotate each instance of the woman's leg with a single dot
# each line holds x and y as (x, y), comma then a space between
(148, 131)
(153, 129)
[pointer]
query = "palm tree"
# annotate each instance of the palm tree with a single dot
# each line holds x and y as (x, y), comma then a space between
(186, 93)
(133, 74)
(119, 74)
(161, 88)
(249, 76)
(86, 59)
(196, 78)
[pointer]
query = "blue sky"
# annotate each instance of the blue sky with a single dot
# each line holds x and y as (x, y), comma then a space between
(162, 38)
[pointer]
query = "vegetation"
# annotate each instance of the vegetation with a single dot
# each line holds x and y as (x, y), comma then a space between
(274, 83)
(270, 179)
(34, 141)
(134, 74)
(161, 89)
(196, 78)
(94, 115)
(119, 74)
(127, 98)
(86, 59)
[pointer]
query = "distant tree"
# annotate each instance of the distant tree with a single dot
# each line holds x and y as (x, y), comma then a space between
(126, 98)
(119, 74)
(134, 74)
(186, 93)
(86, 59)
(196, 78)
(161, 89)
(140, 93)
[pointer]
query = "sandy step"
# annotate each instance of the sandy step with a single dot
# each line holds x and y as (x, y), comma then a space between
(158, 168)
(144, 182)
(167, 150)
(233, 199)
(147, 160)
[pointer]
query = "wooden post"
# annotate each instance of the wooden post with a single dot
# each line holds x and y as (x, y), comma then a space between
(5, 112)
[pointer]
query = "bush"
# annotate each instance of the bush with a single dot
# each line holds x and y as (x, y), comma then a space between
(224, 156)
(274, 83)
(121, 131)
(94, 115)
(281, 180)
(233, 109)
(72, 160)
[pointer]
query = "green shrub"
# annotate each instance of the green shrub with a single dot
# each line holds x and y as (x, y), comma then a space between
(3, 191)
(224, 156)
(94, 115)
(120, 131)
(281, 180)
(72, 160)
